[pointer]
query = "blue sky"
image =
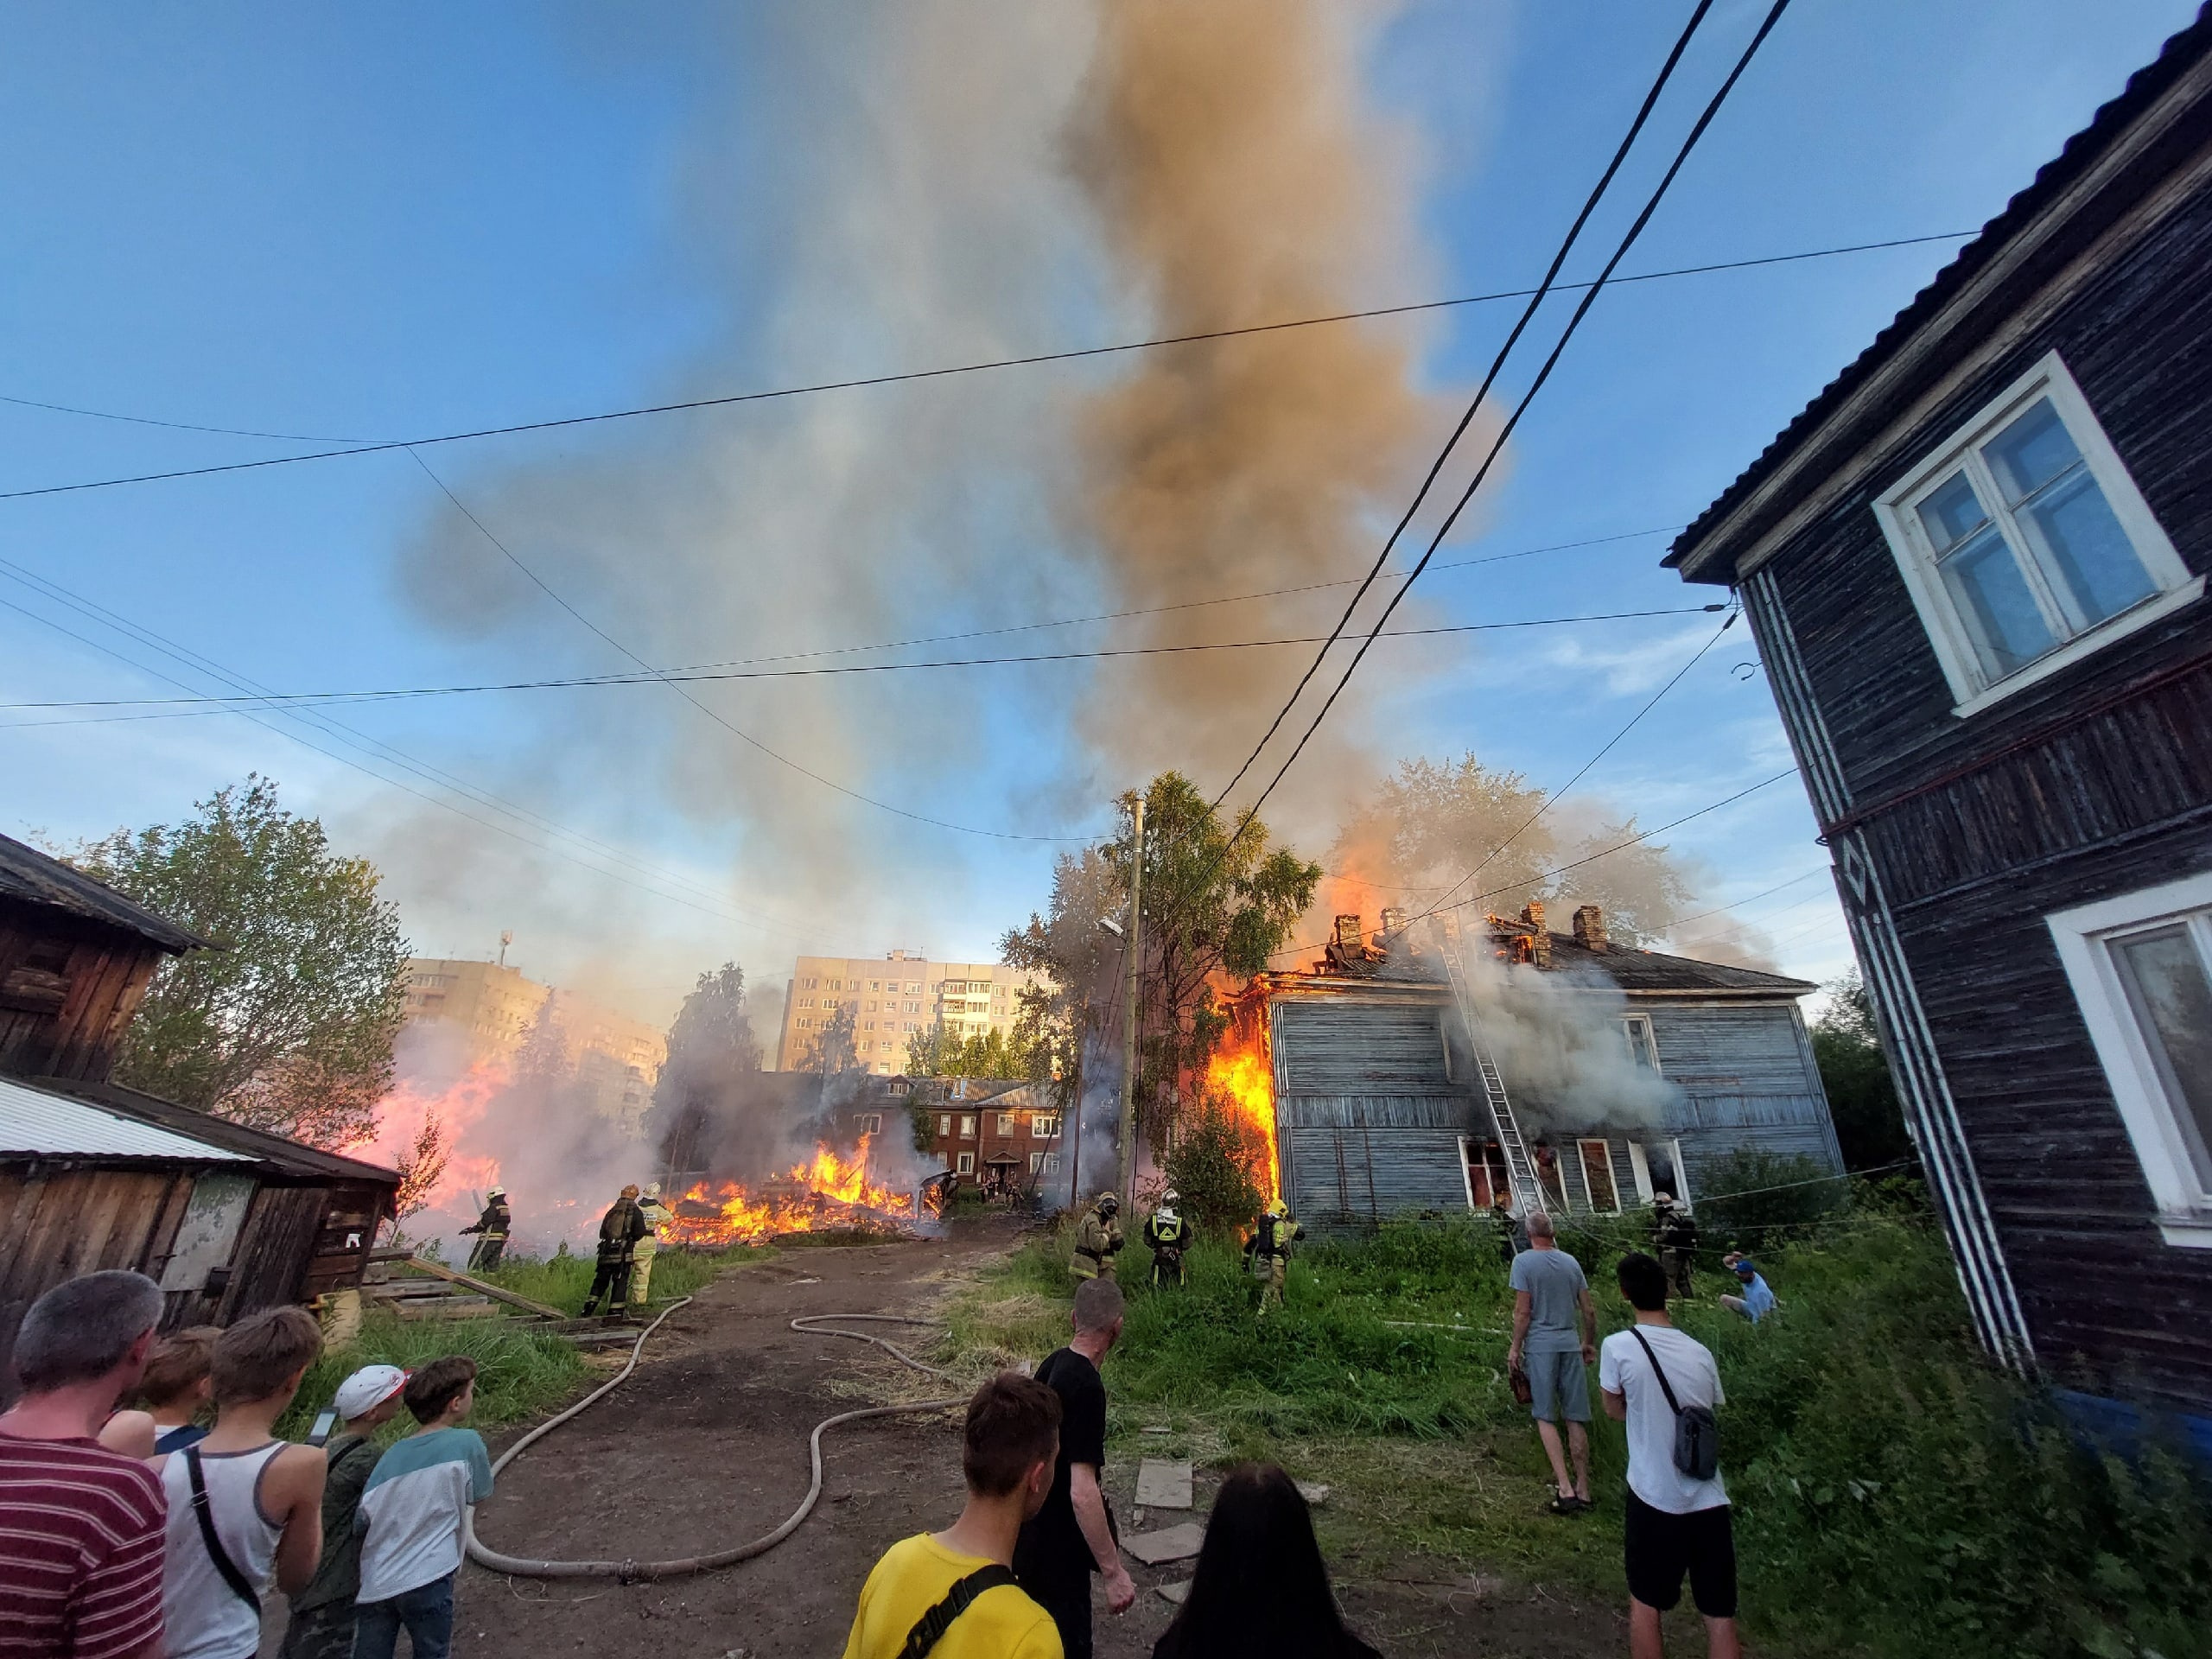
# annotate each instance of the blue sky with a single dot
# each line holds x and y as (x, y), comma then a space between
(423, 220)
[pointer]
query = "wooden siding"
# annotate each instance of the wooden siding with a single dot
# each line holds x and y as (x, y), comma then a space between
(68, 988)
(276, 1246)
(1344, 1046)
(1956, 837)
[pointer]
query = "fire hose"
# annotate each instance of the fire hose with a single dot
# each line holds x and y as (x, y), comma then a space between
(631, 1572)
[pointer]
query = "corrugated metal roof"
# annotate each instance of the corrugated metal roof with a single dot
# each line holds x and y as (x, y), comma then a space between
(37, 1124)
(30, 875)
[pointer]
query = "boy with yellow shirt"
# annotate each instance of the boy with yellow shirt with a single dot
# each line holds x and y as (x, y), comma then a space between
(951, 1594)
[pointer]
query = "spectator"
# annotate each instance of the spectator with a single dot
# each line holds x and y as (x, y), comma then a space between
(964, 1576)
(1261, 1591)
(1072, 1536)
(1555, 1339)
(322, 1614)
(1757, 1301)
(176, 1389)
(1677, 1523)
(244, 1508)
(80, 1551)
(412, 1513)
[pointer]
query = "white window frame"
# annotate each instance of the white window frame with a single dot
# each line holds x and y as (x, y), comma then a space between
(1051, 1163)
(871, 1123)
(945, 1126)
(1971, 690)
(1045, 1126)
(1036, 1163)
(1611, 1180)
(1009, 1123)
(1650, 1040)
(967, 1122)
(1639, 1168)
(964, 1164)
(2083, 936)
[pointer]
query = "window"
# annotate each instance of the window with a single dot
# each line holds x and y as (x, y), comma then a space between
(813, 984)
(1045, 1126)
(2025, 543)
(871, 1122)
(968, 1126)
(1009, 1124)
(914, 991)
(1641, 1048)
(1483, 1164)
(945, 1126)
(875, 984)
(1036, 1161)
(1051, 1163)
(1598, 1176)
(965, 1164)
(2141, 967)
(804, 1023)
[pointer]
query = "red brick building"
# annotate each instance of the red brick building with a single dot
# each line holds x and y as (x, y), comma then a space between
(1003, 1131)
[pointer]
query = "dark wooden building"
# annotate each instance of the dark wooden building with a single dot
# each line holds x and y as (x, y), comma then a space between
(228, 1220)
(1975, 565)
(75, 956)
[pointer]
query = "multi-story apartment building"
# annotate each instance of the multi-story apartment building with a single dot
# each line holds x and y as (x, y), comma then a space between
(616, 1057)
(892, 997)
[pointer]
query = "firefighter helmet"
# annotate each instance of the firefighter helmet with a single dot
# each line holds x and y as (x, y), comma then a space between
(1278, 1209)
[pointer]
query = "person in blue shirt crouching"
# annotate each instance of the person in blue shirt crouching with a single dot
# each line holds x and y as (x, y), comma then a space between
(1757, 1301)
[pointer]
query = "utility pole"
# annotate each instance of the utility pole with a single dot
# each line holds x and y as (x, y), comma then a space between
(1134, 950)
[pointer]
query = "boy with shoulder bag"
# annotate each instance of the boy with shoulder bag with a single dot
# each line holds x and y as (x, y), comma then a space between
(1664, 1385)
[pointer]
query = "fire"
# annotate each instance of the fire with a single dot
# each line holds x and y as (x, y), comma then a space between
(1241, 1075)
(830, 1192)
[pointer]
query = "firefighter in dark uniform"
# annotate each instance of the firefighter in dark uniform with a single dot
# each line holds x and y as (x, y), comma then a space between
(1097, 1239)
(1166, 1236)
(620, 1230)
(1675, 1233)
(1268, 1249)
(491, 1230)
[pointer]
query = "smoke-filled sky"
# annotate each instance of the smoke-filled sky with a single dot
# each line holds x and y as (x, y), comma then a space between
(415, 220)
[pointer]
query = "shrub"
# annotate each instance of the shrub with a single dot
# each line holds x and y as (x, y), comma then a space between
(1752, 1199)
(1211, 1165)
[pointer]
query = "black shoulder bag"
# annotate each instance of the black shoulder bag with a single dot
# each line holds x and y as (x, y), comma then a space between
(929, 1630)
(1697, 1432)
(208, 1536)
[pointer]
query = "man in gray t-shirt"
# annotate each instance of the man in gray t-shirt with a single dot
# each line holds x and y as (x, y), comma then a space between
(1555, 1339)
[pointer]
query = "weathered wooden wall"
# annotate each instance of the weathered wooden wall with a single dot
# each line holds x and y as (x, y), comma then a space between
(2095, 782)
(68, 988)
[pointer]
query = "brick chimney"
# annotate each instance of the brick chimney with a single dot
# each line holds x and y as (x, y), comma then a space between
(1590, 928)
(1540, 938)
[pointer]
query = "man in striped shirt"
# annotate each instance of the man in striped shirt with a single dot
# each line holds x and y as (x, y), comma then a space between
(80, 1527)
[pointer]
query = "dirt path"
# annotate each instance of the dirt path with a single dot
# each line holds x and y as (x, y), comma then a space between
(706, 1446)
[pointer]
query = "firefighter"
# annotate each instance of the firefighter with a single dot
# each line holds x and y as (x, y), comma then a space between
(619, 1229)
(491, 1230)
(1166, 1237)
(1273, 1234)
(1675, 1233)
(656, 1216)
(1097, 1239)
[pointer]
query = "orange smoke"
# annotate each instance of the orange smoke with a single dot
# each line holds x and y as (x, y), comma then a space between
(1242, 1077)
(829, 1193)
(400, 1117)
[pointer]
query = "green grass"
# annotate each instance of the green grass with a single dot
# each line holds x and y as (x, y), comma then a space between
(563, 1280)
(1894, 1494)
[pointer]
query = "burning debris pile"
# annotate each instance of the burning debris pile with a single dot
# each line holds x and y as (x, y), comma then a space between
(829, 1194)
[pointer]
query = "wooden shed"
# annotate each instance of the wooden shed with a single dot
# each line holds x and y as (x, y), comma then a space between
(227, 1220)
(75, 957)
(1975, 564)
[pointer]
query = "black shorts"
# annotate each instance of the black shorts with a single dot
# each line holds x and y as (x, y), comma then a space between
(1662, 1547)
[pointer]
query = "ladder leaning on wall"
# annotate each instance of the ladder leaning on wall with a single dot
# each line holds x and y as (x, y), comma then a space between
(1527, 1191)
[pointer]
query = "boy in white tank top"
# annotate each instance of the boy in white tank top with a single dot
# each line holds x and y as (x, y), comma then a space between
(262, 1520)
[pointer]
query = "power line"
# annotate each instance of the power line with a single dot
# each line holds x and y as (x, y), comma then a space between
(679, 676)
(352, 447)
(734, 730)
(1582, 310)
(1682, 921)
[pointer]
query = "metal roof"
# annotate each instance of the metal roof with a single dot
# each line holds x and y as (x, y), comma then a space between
(2179, 53)
(28, 875)
(34, 1123)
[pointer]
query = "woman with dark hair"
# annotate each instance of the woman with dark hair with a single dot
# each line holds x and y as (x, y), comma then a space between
(1261, 1591)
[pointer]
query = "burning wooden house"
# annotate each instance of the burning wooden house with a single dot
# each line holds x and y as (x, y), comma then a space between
(1975, 564)
(1379, 1099)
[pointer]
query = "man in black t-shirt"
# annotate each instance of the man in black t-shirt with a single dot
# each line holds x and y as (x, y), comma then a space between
(1072, 1536)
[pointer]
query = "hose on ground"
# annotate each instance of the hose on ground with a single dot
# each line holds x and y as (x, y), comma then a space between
(632, 1571)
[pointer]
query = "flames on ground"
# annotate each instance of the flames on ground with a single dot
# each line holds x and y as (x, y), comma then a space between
(1241, 1076)
(832, 1193)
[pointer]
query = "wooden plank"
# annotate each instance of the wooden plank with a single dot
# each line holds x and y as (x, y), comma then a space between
(438, 1269)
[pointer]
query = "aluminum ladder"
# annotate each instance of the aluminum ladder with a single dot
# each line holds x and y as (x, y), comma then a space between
(1520, 1170)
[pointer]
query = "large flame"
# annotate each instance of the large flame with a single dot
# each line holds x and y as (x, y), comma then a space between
(1241, 1076)
(829, 1193)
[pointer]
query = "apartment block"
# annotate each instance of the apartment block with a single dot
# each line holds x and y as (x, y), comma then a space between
(892, 997)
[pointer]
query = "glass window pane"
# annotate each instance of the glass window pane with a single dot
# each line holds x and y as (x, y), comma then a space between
(1951, 513)
(1999, 612)
(2088, 553)
(2030, 452)
(2173, 998)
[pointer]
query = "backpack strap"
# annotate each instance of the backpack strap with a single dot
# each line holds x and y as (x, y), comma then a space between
(1665, 1387)
(929, 1630)
(208, 1536)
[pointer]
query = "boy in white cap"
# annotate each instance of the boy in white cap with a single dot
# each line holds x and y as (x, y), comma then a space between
(322, 1625)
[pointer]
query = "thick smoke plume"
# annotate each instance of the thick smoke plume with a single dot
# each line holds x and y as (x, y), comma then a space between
(1555, 1035)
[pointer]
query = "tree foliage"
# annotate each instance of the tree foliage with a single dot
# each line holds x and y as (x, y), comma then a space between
(1058, 1016)
(1862, 1094)
(711, 1049)
(1214, 908)
(289, 1025)
(934, 1051)
(1212, 1164)
(421, 1167)
(834, 1050)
